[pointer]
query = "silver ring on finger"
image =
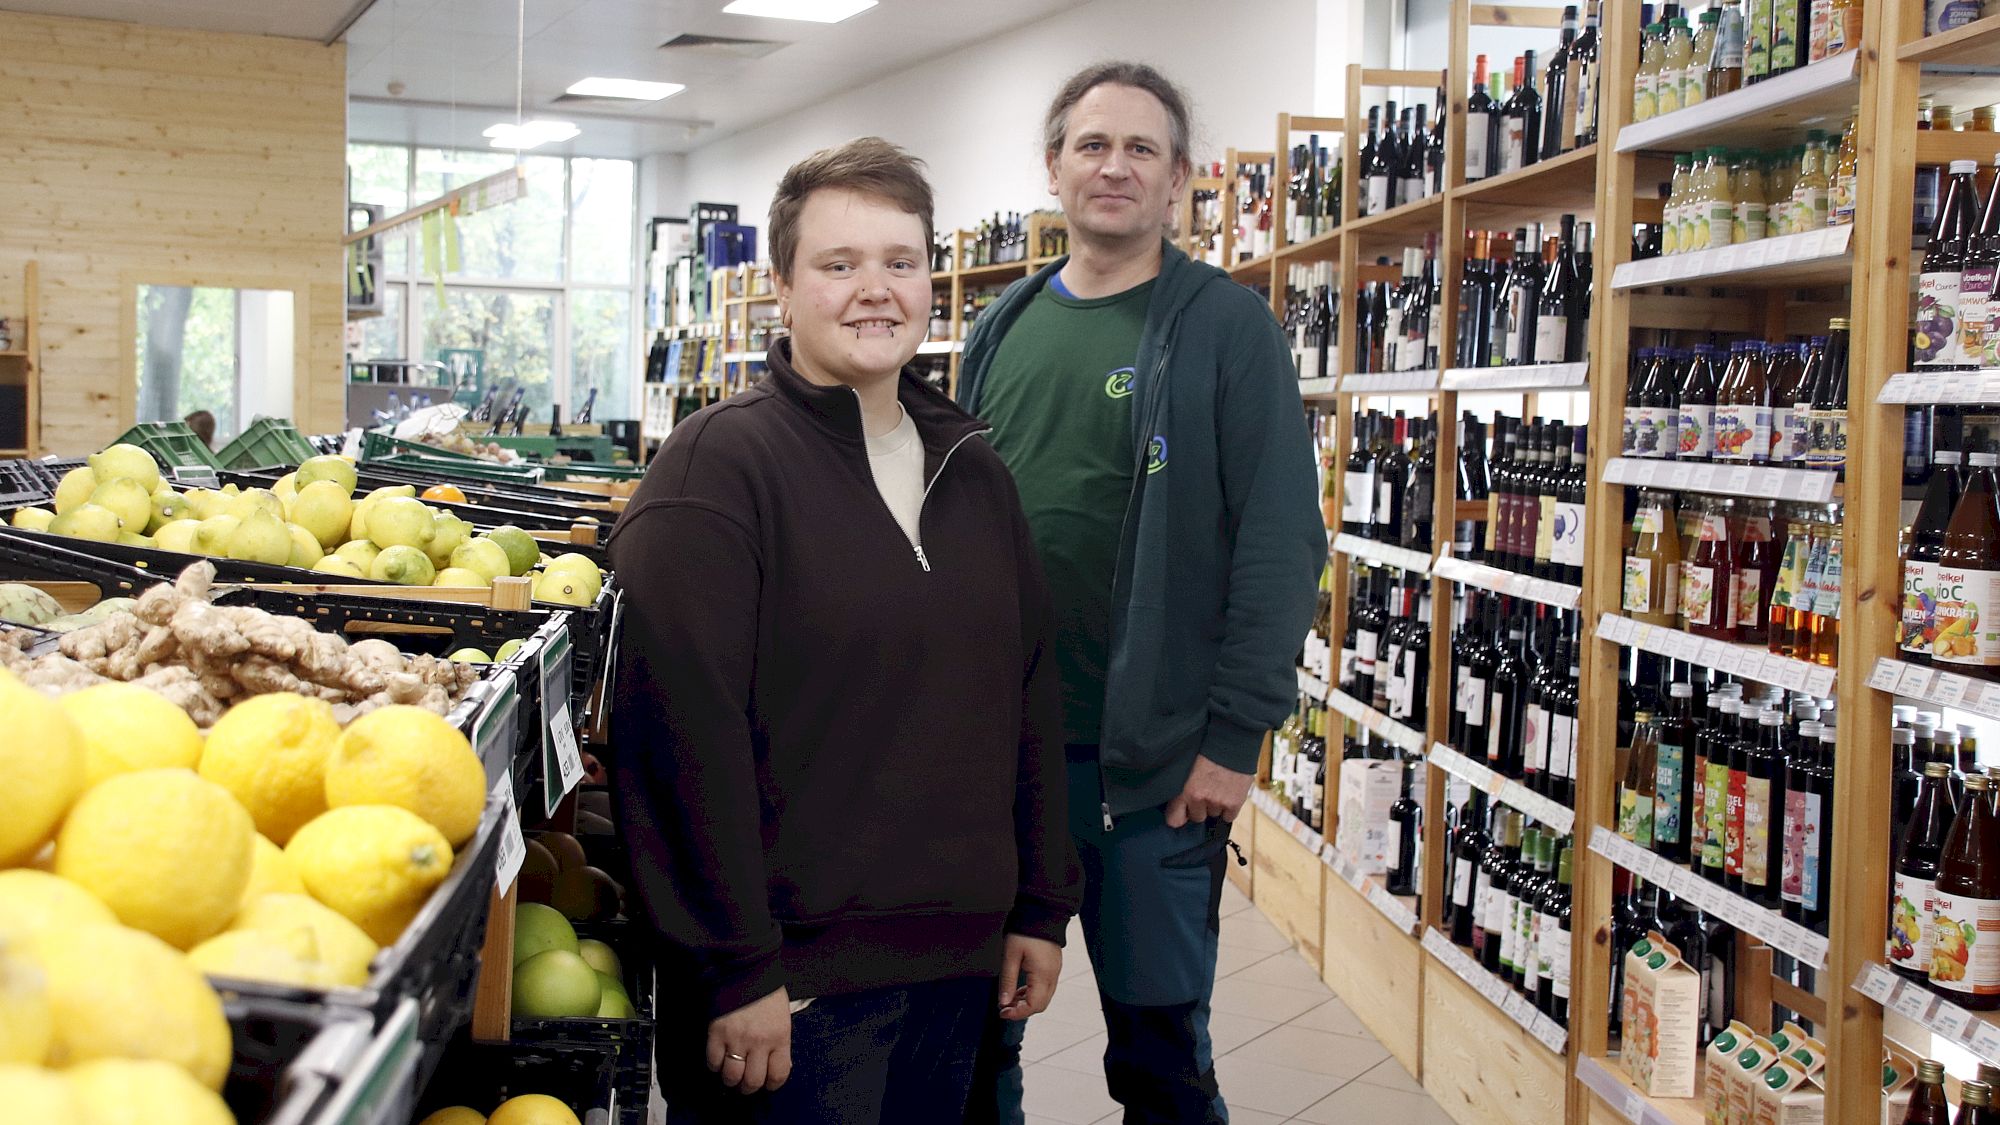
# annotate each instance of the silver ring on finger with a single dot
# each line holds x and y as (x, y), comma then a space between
(735, 1056)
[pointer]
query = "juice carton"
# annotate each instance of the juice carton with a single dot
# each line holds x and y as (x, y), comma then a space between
(1899, 1071)
(1743, 1074)
(1787, 1095)
(1662, 1033)
(1721, 1055)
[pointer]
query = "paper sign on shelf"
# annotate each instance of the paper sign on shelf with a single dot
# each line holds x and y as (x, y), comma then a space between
(513, 848)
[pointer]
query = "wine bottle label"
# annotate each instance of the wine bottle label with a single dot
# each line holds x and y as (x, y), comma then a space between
(1506, 920)
(1513, 144)
(1628, 442)
(1968, 616)
(1358, 500)
(1461, 883)
(1975, 291)
(1757, 831)
(1669, 781)
(1644, 95)
(1843, 29)
(1937, 318)
(1583, 81)
(1746, 605)
(1385, 503)
(1494, 735)
(1392, 845)
(1562, 745)
(1566, 543)
(1558, 947)
(1817, 17)
(1786, 39)
(1531, 957)
(1715, 814)
(1475, 146)
(1812, 858)
(1414, 188)
(1551, 339)
(1494, 898)
(1367, 647)
(1377, 195)
(1545, 942)
(1918, 628)
(1349, 660)
(1791, 886)
(1698, 592)
(1637, 590)
(1734, 796)
(1696, 438)
(1965, 944)
(1545, 528)
(1635, 816)
(1402, 696)
(1475, 701)
(1535, 738)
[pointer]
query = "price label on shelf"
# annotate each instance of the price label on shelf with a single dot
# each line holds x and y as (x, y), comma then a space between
(1952, 1021)
(513, 850)
(1950, 689)
(1986, 1041)
(1986, 698)
(1782, 250)
(1916, 680)
(1726, 259)
(1756, 254)
(1912, 1002)
(1635, 1107)
(1887, 675)
(1679, 476)
(1876, 983)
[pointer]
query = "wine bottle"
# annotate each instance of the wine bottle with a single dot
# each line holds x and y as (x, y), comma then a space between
(1559, 297)
(1558, 130)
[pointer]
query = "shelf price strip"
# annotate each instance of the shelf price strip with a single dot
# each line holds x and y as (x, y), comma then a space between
(1401, 558)
(1813, 486)
(1313, 388)
(1507, 790)
(1312, 686)
(1297, 829)
(1826, 244)
(1514, 1005)
(1389, 382)
(1507, 582)
(1914, 387)
(1914, 1002)
(1378, 896)
(1375, 722)
(1768, 926)
(1946, 689)
(1745, 661)
(1619, 1096)
(1525, 377)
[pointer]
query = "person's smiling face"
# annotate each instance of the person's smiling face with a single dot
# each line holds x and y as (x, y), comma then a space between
(1116, 173)
(860, 290)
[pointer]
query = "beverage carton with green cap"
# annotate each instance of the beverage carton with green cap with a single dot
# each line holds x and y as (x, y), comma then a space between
(1662, 1002)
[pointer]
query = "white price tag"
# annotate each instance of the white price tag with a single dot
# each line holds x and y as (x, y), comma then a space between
(1813, 243)
(1950, 689)
(1952, 1021)
(568, 758)
(1888, 673)
(1679, 476)
(1916, 680)
(1755, 254)
(1635, 1106)
(1876, 983)
(1726, 259)
(1988, 698)
(1912, 1003)
(513, 848)
(1986, 1041)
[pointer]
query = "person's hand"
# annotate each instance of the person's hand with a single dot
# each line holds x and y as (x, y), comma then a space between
(1211, 791)
(750, 1049)
(1040, 961)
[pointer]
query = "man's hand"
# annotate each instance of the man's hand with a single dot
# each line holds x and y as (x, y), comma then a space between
(750, 1049)
(1038, 960)
(1210, 791)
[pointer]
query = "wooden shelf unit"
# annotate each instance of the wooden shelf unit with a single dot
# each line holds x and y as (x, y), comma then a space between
(21, 364)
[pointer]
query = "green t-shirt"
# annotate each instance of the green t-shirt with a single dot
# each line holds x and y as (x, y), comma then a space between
(1059, 398)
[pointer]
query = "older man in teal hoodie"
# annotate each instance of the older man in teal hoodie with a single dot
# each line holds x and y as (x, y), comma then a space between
(1148, 408)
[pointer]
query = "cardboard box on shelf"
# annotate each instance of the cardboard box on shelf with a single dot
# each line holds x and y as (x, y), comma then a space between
(1663, 1008)
(1367, 788)
(1742, 1075)
(1721, 1055)
(1899, 1071)
(1787, 1095)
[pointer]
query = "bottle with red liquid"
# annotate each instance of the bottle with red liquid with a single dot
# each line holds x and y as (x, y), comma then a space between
(1708, 577)
(1756, 573)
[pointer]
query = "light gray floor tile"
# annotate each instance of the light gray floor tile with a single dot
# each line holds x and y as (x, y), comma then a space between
(1332, 1016)
(1390, 1073)
(1047, 1035)
(1362, 1102)
(1289, 969)
(1233, 959)
(1086, 1057)
(1263, 1001)
(1272, 1089)
(1065, 1095)
(1336, 1056)
(1228, 1031)
(1251, 930)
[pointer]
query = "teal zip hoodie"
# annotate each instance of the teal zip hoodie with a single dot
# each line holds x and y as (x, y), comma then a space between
(1222, 544)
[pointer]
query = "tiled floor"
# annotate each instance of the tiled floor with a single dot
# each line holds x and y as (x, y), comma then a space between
(1286, 1049)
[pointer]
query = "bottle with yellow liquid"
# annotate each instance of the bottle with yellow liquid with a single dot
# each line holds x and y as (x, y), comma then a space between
(1674, 63)
(1670, 225)
(1846, 169)
(1694, 82)
(1812, 198)
(1746, 182)
(1646, 84)
(1721, 200)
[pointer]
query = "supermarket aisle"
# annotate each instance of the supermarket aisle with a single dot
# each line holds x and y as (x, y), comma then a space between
(1287, 1049)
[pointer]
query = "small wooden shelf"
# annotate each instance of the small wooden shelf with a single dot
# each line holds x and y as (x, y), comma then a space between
(1398, 225)
(1375, 722)
(1256, 269)
(1814, 257)
(1823, 95)
(1607, 1079)
(1567, 183)
(995, 271)
(1319, 248)
(16, 353)
(1975, 44)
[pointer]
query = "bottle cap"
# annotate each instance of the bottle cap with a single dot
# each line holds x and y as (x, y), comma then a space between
(1975, 1093)
(1964, 167)
(1642, 716)
(1840, 324)
(1977, 783)
(1809, 729)
(1902, 736)
(1770, 719)
(1948, 457)
(1903, 714)
(1681, 690)
(1936, 769)
(1930, 1071)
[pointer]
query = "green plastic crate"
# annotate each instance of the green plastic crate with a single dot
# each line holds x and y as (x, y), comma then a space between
(586, 470)
(267, 444)
(378, 444)
(597, 448)
(449, 468)
(172, 444)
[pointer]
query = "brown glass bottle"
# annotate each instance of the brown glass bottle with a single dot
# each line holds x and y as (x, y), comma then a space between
(1975, 1104)
(1928, 1105)
(1968, 577)
(1965, 935)
(1914, 887)
(1706, 606)
(1757, 559)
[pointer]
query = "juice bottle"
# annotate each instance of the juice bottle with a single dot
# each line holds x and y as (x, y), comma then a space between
(1787, 369)
(1636, 792)
(1799, 615)
(1915, 878)
(1694, 81)
(1829, 417)
(1696, 440)
(1725, 65)
(1965, 957)
(1659, 398)
(1706, 603)
(1694, 213)
(1846, 165)
(1818, 15)
(1674, 62)
(1646, 83)
(1799, 429)
(1743, 408)
(1687, 521)
(1677, 198)
(1825, 650)
(1757, 28)
(1790, 581)
(1781, 178)
(1746, 183)
(1755, 574)
(1938, 322)
(1650, 592)
(1812, 200)
(1968, 576)
(1843, 26)
(1788, 36)
(1921, 550)
(1721, 200)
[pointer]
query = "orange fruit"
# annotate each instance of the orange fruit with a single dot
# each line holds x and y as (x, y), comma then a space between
(448, 493)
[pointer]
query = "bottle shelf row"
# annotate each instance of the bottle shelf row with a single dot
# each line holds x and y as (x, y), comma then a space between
(1319, 388)
(1915, 388)
(1400, 912)
(1934, 685)
(1375, 722)
(1402, 558)
(1390, 382)
(1814, 257)
(1504, 789)
(1312, 687)
(1824, 93)
(1609, 1082)
(1916, 1003)
(1521, 377)
(1762, 923)
(1743, 661)
(1812, 486)
(1557, 594)
(1513, 1004)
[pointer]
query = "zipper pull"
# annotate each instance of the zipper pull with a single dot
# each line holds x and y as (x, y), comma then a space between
(926, 563)
(1106, 808)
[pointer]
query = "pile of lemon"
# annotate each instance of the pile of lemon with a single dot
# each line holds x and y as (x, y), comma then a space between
(137, 858)
(309, 518)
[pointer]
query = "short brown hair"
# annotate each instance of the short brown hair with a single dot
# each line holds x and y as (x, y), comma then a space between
(870, 166)
(1139, 76)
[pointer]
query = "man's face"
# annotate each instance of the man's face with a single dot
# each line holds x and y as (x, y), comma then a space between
(1116, 174)
(860, 290)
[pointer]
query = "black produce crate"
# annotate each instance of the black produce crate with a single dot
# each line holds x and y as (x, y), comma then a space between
(30, 556)
(629, 1041)
(482, 1075)
(22, 485)
(479, 508)
(499, 491)
(436, 628)
(287, 1058)
(435, 963)
(53, 469)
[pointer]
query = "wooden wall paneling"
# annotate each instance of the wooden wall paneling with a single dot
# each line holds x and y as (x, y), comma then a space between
(1291, 888)
(171, 157)
(1480, 1066)
(1244, 834)
(1377, 971)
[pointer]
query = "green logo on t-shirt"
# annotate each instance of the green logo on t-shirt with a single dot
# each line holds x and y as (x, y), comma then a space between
(1118, 384)
(1156, 453)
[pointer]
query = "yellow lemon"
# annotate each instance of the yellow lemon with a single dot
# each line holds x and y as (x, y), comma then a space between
(118, 993)
(33, 1094)
(141, 1092)
(27, 1019)
(341, 945)
(271, 873)
(270, 752)
(44, 759)
(33, 900)
(374, 864)
(455, 1115)
(532, 1109)
(168, 852)
(411, 758)
(276, 956)
(126, 727)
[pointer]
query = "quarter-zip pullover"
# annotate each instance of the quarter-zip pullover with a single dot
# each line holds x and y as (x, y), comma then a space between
(839, 763)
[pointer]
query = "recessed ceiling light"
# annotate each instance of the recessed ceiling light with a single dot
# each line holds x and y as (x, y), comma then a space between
(625, 88)
(530, 134)
(815, 11)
